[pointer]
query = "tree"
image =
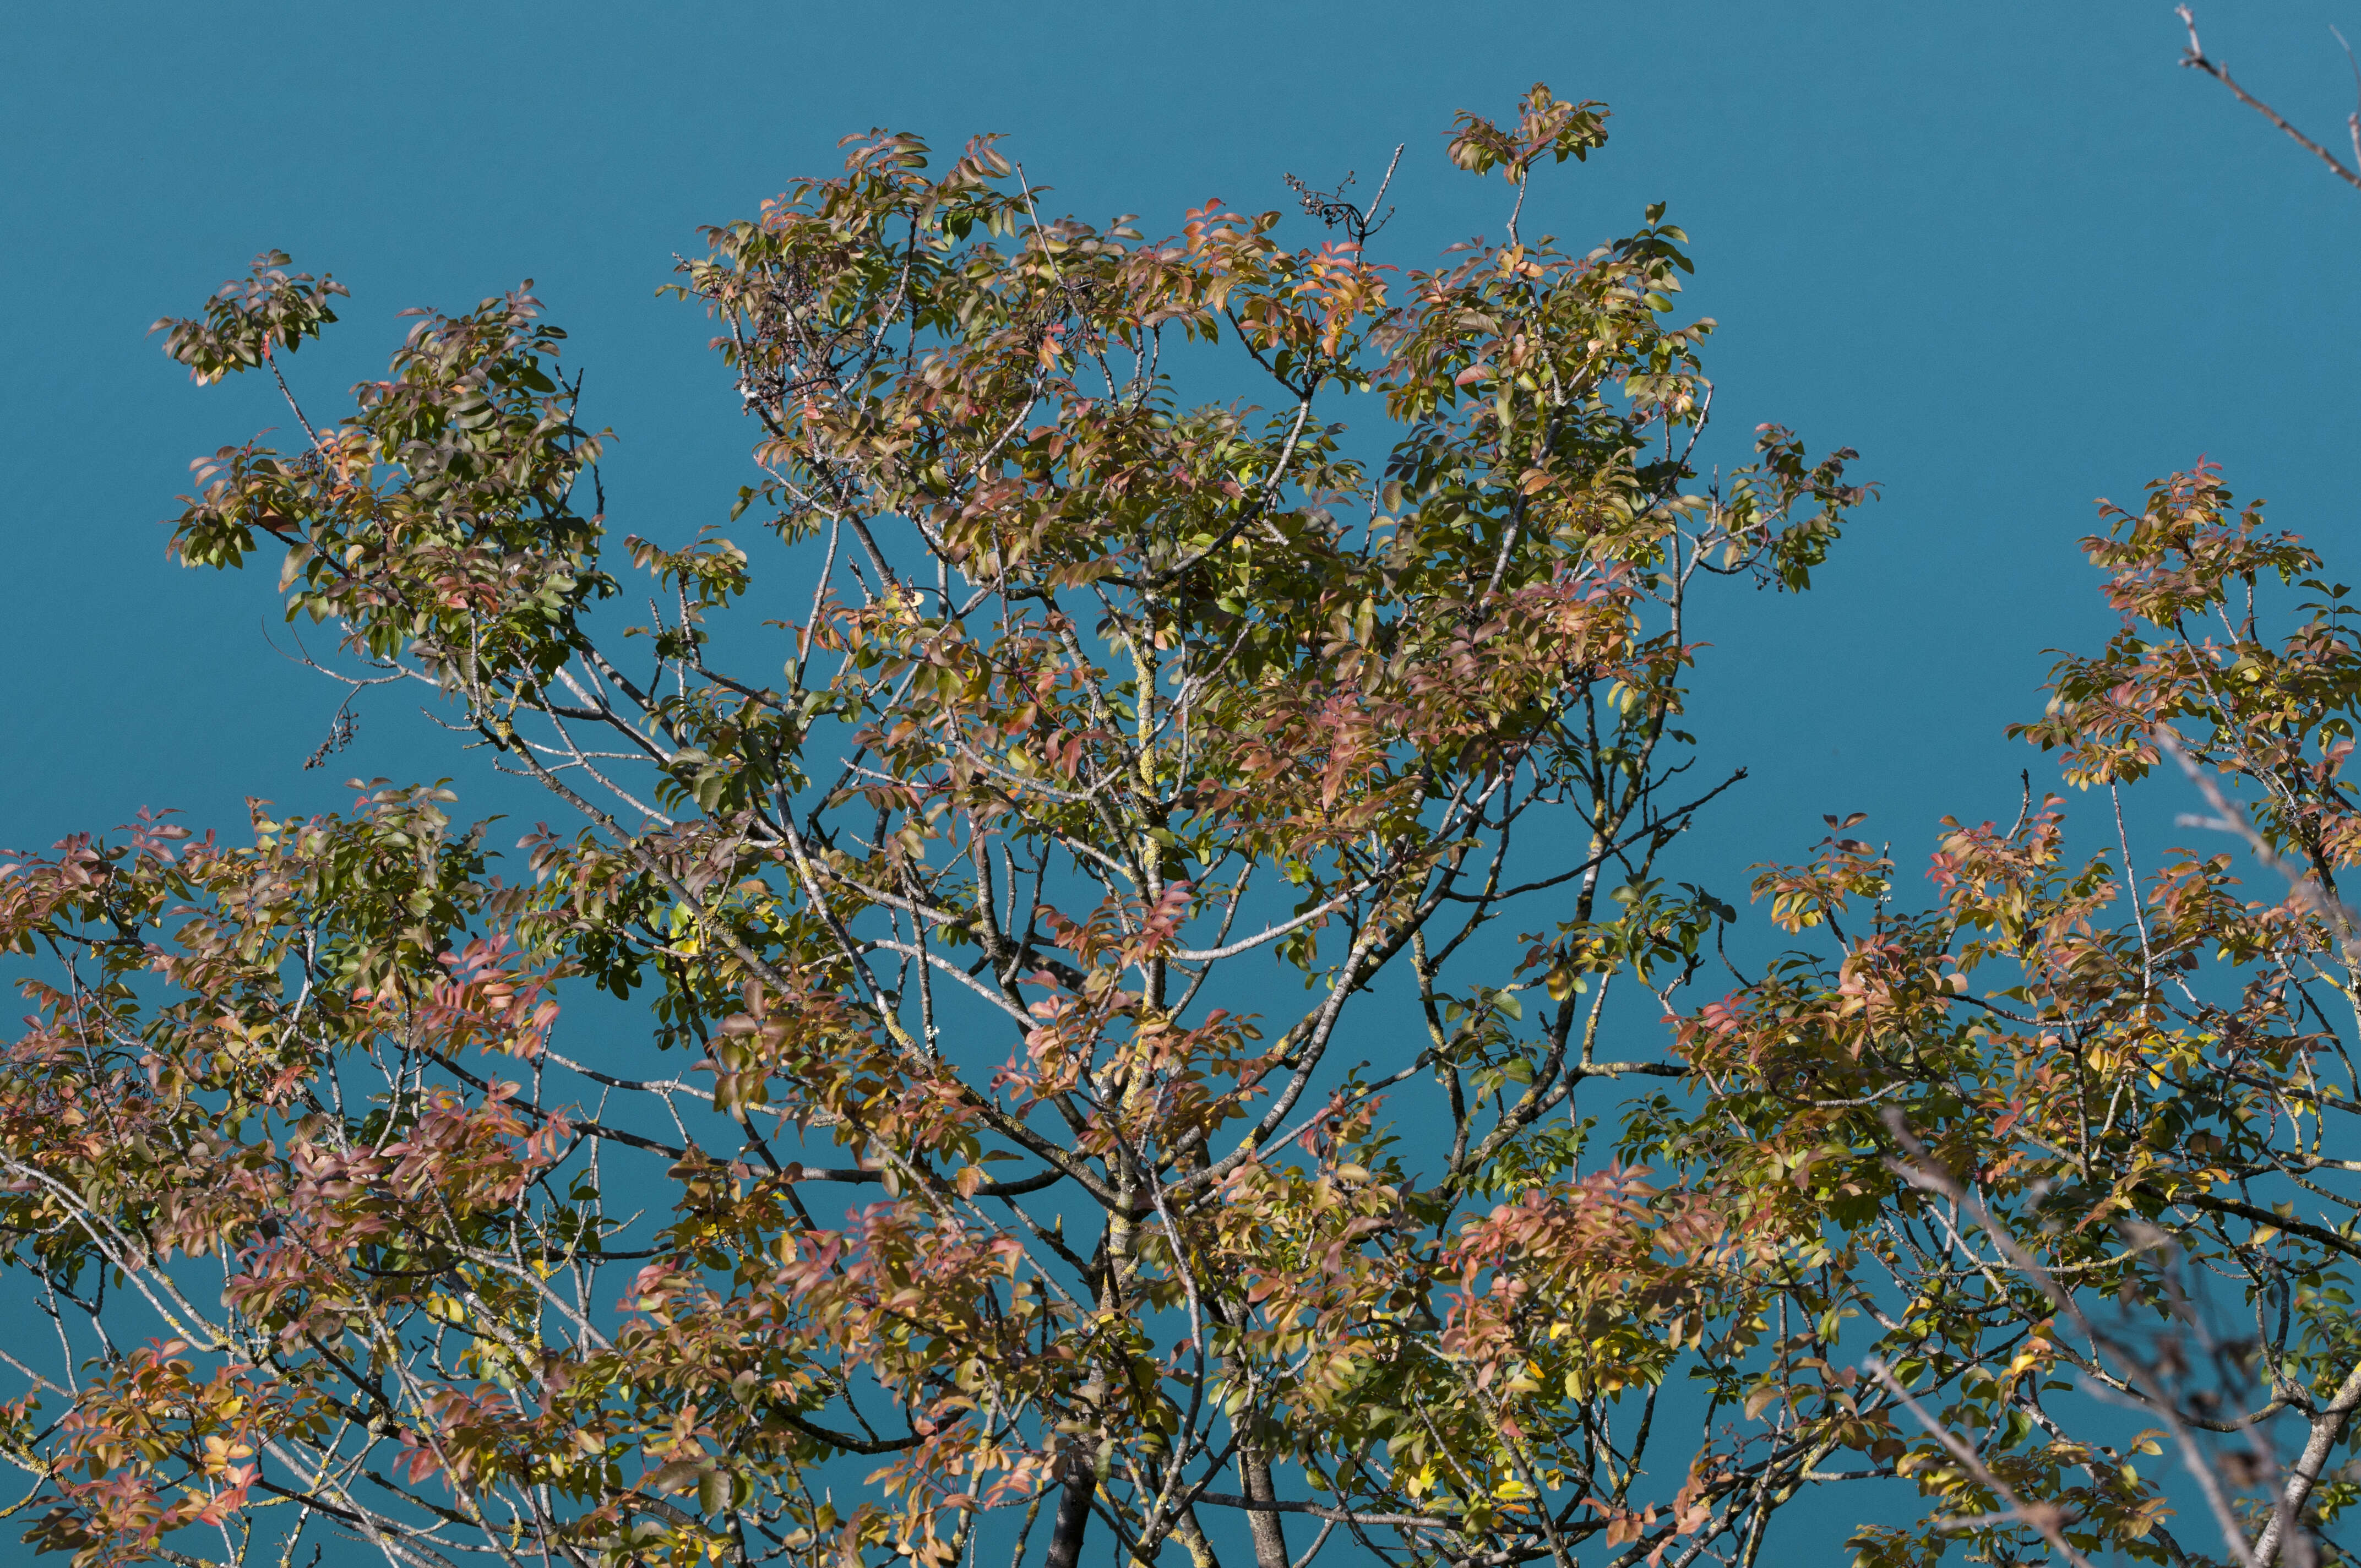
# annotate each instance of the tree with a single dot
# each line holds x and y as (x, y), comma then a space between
(2118, 1170)
(996, 1189)
(1094, 705)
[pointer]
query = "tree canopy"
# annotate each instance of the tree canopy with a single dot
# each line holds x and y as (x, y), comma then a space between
(1160, 1016)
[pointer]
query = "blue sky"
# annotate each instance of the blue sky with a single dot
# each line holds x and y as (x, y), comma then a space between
(2012, 253)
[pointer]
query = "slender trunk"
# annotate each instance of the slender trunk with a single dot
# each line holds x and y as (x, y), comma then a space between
(2326, 1428)
(1082, 1464)
(1074, 1514)
(1269, 1539)
(1254, 1467)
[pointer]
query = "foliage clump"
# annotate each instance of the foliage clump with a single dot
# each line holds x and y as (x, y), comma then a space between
(974, 1171)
